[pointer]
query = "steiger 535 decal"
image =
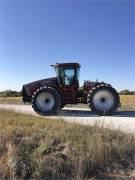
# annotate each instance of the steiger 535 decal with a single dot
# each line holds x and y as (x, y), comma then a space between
(48, 96)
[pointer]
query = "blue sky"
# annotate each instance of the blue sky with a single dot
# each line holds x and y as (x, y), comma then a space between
(99, 35)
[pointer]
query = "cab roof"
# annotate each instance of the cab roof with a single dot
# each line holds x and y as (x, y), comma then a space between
(74, 64)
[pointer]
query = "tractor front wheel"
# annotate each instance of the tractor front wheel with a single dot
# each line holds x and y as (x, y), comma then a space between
(103, 99)
(46, 101)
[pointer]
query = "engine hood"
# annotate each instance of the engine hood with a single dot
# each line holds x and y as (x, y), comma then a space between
(32, 86)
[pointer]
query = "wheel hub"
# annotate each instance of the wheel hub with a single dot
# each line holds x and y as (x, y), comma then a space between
(103, 100)
(47, 100)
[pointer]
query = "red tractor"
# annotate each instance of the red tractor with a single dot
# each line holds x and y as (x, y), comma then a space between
(48, 96)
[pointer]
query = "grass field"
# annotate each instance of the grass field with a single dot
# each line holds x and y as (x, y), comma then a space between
(36, 148)
(11, 100)
(127, 101)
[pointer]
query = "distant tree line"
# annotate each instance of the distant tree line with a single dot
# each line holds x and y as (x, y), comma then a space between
(10, 93)
(127, 92)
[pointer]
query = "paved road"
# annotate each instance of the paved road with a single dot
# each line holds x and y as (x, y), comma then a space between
(125, 120)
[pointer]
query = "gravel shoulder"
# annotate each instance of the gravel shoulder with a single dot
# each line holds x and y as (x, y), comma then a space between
(123, 120)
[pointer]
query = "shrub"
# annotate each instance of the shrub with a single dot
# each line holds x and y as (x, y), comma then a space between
(10, 93)
(127, 92)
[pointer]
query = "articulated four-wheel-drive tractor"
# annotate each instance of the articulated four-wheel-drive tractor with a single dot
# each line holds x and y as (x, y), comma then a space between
(50, 95)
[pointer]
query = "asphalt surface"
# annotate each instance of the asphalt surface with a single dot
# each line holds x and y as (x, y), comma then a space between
(123, 120)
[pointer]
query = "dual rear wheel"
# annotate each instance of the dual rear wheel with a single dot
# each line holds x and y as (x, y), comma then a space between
(103, 99)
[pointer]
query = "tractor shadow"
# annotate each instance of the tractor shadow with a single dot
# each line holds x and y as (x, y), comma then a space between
(83, 113)
(124, 114)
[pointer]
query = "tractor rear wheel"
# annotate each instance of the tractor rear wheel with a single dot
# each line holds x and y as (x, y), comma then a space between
(46, 101)
(103, 99)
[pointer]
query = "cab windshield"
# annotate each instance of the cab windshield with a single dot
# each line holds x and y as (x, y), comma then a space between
(67, 76)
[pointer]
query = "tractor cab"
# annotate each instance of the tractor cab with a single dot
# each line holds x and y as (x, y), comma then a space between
(67, 74)
(68, 80)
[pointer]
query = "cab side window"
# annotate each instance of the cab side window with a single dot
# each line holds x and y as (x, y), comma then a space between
(69, 75)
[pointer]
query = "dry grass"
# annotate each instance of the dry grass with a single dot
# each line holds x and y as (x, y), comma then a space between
(38, 148)
(11, 100)
(127, 101)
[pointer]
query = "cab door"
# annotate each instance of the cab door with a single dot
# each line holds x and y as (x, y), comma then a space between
(70, 85)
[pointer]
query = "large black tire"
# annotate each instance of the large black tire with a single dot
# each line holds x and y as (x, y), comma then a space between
(103, 99)
(46, 101)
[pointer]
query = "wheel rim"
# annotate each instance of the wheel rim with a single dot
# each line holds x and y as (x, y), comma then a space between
(45, 101)
(103, 100)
